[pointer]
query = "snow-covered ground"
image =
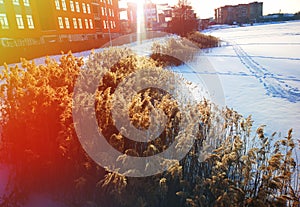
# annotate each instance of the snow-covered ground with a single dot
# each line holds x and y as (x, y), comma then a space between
(259, 67)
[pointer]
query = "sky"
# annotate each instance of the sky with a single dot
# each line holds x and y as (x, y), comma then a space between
(205, 8)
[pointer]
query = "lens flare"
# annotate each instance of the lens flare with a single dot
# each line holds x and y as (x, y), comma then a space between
(141, 27)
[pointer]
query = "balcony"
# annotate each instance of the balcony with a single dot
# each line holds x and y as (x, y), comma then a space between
(95, 2)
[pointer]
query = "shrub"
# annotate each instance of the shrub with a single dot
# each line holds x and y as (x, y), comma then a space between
(38, 138)
(174, 52)
(238, 172)
(203, 41)
(177, 51)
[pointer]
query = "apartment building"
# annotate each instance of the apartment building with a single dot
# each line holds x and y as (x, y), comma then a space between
(106, 16)
(240, 14)
(65, 20)
(150, 15)
(19, 25)
(132, 16)
(30, 22)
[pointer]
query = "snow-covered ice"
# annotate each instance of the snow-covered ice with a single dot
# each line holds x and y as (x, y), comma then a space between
(259, 67)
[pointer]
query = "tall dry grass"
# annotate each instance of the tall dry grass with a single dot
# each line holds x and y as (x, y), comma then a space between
(173, 52)
(203, 41)
(177, 51)
(225, 167)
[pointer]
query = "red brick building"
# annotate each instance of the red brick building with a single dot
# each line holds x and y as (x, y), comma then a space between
(65, 20)
(78, 20)
(240, 14)
(64, 24)
(19, 25)
(150, 15)
(106, 16)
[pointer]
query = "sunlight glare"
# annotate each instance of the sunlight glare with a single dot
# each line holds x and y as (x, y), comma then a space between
(140, 20)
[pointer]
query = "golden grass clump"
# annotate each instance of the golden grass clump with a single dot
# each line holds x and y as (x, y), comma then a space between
(173, 52)
(203, 41)
(226, 166)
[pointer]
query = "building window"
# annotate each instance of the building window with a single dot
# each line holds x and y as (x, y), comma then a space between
(91, 24)
(3, 21)
(111, 24)
(104, 11)
(104, 24)
(83, 8)
(114, 24)
(16, 2)
(64, 5)
(67, 22)
(20, 22)
(26, 3)
(77, 6)
(75, 23)
(86, 23)
(60, 22)
(109, 12)
(30, 22)
(112, 13)
(72, 6)
(80, 23)
(88, 8)
(57, 5)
